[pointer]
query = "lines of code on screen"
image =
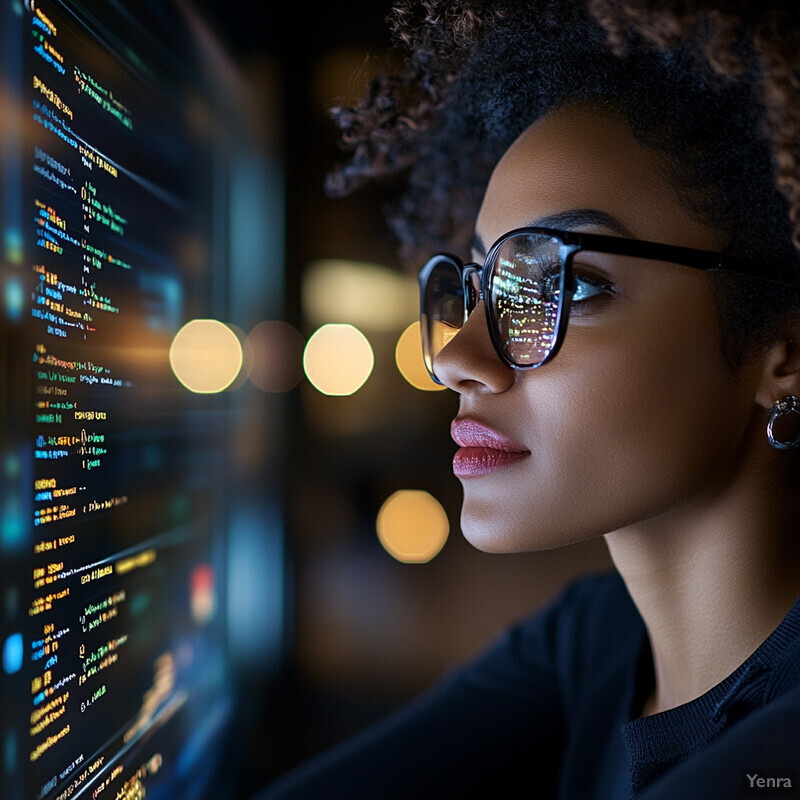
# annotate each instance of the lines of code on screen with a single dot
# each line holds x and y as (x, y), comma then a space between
(115, 676)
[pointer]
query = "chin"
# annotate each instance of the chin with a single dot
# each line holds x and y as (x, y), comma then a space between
(494, 530)
(493, 533)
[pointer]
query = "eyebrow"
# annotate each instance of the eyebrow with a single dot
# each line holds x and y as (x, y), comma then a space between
(566, 221)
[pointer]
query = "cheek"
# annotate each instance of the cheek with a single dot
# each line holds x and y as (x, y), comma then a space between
(637, 416)
(633, 421)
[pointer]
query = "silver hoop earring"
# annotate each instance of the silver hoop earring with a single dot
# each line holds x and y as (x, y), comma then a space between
(788, 405)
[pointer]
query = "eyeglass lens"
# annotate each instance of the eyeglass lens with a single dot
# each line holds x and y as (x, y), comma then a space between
(444, 308)
(525, 288)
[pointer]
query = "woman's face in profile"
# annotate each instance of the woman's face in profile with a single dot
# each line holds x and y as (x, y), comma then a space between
(638, 418)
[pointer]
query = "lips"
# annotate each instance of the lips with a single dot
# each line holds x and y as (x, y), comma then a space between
(481, 449)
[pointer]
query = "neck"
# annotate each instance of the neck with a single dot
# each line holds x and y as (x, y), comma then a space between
(711, 584)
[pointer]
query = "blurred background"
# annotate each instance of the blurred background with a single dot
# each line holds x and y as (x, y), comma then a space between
(369, 629)
(291, 550)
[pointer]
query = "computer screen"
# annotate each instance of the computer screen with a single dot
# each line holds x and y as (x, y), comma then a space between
(121, 147)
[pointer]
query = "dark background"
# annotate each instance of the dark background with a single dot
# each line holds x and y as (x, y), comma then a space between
(367, 632)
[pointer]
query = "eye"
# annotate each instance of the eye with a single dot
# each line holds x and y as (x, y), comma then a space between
(587, 287)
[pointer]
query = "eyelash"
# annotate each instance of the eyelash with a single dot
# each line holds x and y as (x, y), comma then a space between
(595, 285)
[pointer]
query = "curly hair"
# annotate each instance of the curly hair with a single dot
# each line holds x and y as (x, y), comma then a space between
(712, 84)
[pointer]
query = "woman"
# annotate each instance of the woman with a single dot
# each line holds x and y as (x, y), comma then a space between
(624, 345)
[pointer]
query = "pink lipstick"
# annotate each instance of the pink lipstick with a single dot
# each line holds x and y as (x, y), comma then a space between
(481, 449)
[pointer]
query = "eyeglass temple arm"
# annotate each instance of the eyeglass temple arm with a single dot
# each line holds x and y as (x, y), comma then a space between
(687, 256)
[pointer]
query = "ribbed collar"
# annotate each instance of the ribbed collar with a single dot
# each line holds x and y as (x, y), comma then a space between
(657, 742)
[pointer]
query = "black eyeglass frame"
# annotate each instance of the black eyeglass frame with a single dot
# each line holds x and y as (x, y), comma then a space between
(572, 242)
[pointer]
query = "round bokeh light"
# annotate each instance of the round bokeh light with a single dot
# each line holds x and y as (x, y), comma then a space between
(206, 356)
(412, 526)
(338, 359)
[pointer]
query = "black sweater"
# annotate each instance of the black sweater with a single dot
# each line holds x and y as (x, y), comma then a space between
(551, 710)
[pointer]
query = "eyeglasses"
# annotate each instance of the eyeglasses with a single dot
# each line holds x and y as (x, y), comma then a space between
(528, 287)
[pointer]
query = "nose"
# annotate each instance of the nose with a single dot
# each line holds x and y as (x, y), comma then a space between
(469, 363)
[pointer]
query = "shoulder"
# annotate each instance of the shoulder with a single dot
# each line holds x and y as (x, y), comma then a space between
(595, 594)
(590, 625)
(594, 610)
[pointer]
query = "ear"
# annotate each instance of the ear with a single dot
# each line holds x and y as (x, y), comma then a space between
(780, 372)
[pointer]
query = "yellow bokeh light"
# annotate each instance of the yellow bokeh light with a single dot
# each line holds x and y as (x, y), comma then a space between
(338, 359)
(408, 356)
(370, 296)
(206, 356)
(412, 526)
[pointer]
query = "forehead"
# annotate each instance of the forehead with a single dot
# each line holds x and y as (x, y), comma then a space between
(577, 158)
